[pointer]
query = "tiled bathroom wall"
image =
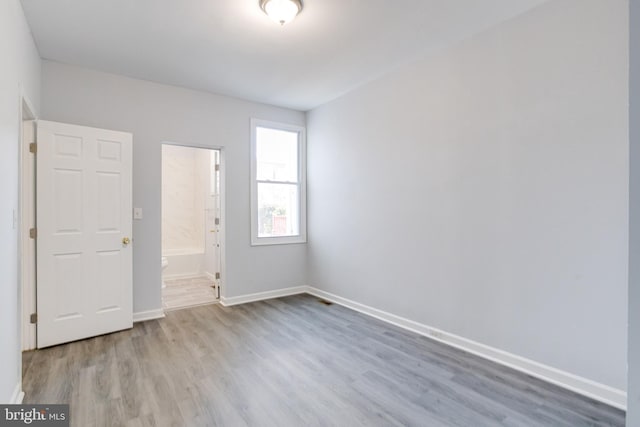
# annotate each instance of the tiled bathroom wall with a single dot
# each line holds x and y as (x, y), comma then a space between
(185, 174)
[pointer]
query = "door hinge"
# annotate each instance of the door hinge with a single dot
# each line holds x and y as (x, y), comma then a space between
(217, 168)
(33, 318)
(217, 221)
(33, 233)
(33, 148)
(217, 275)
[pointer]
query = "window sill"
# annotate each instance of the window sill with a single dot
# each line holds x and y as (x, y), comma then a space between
(268, 241)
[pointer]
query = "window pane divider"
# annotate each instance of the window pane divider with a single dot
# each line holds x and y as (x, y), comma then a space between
(260, 181)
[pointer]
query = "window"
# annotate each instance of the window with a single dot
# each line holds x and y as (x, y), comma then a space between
(278, 183)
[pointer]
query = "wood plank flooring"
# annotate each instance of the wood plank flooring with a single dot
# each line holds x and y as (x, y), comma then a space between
(290, 362)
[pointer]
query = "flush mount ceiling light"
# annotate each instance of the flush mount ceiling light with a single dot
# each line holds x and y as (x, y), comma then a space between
(281, 11)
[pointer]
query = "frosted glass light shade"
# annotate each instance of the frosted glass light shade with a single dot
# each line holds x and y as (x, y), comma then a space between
(281, 11)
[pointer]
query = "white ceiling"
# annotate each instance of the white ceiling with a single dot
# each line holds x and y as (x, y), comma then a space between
(230, 47)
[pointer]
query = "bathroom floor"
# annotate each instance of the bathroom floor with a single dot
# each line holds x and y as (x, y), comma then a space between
(188, 292)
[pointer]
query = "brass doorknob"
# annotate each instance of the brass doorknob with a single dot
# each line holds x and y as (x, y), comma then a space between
(126, 241)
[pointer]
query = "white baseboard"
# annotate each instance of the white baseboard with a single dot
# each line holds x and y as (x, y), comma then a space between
(18, 395)
(142, 316)
(603, 393)
(278, 293)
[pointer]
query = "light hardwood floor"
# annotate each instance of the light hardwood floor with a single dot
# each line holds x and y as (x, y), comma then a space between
(290, 362)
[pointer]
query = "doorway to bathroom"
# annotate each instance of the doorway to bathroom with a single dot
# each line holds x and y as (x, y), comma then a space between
(191, 226)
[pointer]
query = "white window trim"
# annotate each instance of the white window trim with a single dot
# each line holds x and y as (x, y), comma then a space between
(302, 183)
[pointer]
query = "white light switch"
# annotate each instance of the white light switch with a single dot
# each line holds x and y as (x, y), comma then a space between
(137, 213)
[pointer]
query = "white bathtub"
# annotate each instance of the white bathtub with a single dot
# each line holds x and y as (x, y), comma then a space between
(184, 263)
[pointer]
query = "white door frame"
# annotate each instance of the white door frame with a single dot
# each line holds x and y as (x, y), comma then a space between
(223, 228)
(26, 220)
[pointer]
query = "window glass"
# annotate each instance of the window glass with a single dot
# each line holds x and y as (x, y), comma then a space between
(278, 210)
(277, 155)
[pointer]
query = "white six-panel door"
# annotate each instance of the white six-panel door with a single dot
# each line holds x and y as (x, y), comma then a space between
(84, 254)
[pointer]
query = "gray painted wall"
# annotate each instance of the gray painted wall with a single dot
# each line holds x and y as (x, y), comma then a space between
(633, 396)
(20, 68)
(483, 191)
(155, 113)
(511, 143)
